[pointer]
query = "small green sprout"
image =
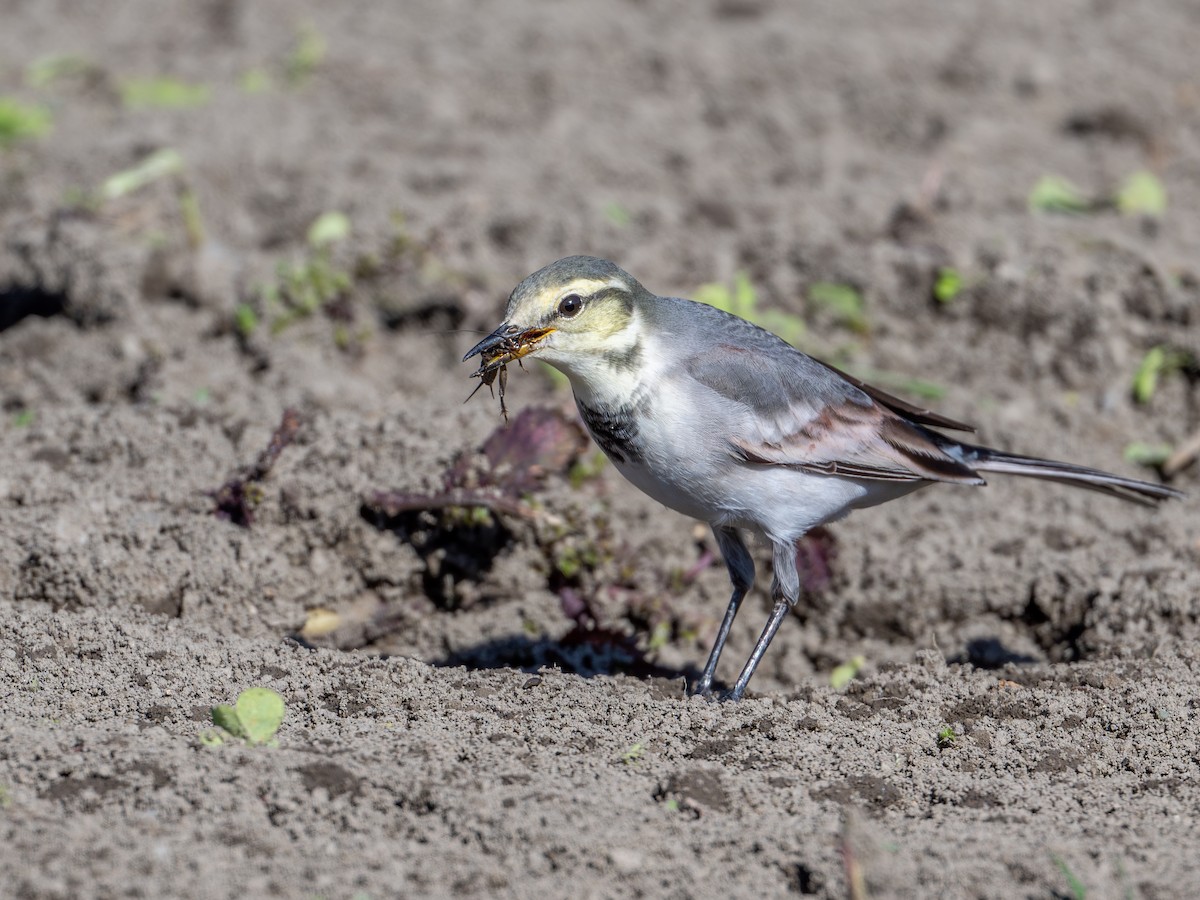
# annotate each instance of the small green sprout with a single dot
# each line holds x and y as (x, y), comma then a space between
(947, 737)
(742, 300)
(255, 719)
(21, 122)
(845, 673)
(617, 214)
(49, 69)
(23, 418)
(255, 81)
(189, 211)
(303, 288)
(633, 754)
(843, 301)
(573, 560)
(158, 165)
(1055, 194)
(660, 636)
(1156, 364)
(245, 319)
(306, 55)
(1074, 883)
(948, 285)
(80, 198)
(163, 93)
(328, 228)
(587, 469)
(1142, 454)
(1142, 194)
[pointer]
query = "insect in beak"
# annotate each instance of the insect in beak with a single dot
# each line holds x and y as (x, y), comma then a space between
(504, 345)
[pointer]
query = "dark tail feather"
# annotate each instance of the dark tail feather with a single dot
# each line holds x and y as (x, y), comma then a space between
(1143, 492)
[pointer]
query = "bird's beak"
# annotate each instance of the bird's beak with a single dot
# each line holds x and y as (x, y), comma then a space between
(507, 343)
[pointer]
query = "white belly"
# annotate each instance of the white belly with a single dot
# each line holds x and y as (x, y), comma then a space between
(781, 503)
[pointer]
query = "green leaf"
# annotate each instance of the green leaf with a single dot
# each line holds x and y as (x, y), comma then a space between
(48, 69)
(1145, 379)
(617, 214)
(329, 228)
(255, 81)
(226, 717)
(260, 712)
(1141, 454)
(844, 301)
(948, 285)
(193, 222)
(660, 636)
(1074, 882)
(306, 55)
(845, 673)
(1055, 194)
(163, 93)
(1142, 194)
(21, 122)
(740, 300)
(160, 164)
(245, 319)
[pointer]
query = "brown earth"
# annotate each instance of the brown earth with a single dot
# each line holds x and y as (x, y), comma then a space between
(872, 144)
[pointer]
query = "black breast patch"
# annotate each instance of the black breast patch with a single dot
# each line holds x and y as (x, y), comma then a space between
(614, 429)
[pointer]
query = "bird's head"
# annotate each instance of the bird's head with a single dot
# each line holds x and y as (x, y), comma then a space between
(579, 314)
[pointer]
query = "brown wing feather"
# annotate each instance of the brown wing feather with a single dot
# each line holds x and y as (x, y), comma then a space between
(903, 407)
(789, 409)
(862, 442)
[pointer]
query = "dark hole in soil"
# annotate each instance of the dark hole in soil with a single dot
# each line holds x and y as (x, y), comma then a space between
(991, 653)
(451, 552)
(441, 314)
(586, 652)
(19, 301)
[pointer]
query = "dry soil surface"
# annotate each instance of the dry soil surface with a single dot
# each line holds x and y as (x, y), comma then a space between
(498, 709)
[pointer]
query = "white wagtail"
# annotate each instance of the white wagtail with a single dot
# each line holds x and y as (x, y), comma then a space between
(725, 422)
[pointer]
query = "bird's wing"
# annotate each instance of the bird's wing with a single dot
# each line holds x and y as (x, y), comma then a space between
(800, 413)
(902, 407)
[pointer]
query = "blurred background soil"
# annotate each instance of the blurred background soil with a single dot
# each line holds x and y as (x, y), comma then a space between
(243, 247)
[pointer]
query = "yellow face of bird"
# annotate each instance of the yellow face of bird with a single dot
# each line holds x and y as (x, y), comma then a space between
(572, 309)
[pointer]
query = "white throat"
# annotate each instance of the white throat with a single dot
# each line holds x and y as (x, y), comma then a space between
(606, 372)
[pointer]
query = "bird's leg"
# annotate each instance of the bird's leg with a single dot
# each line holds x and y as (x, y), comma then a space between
(740, 564)
(786, 591)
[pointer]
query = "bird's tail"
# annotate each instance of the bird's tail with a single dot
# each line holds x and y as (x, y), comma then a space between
(984, 459)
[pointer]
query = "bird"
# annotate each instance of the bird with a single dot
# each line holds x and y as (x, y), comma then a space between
(725, 422)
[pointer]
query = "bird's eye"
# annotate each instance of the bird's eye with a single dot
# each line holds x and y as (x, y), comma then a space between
(570, 305)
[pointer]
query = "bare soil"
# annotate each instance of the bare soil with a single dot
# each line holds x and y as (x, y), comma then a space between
(499, 707)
